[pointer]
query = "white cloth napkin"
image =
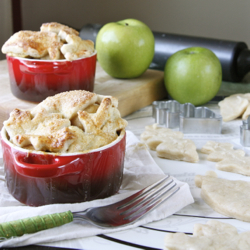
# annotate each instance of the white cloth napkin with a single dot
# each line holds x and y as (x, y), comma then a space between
(140, 170)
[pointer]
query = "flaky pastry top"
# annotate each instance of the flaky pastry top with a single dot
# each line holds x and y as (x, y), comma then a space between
(33, 44)
(54, 41)
(57, 27)
(69, 122)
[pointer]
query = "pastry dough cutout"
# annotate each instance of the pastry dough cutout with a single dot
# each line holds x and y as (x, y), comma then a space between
(214, 235)
(154, 141)
(212, 146)
(152, 131)
(228, 197)
(234, 106)
(246, 113)
(220, 155)
(217, 151)
(178, 149)
(169, 144)
(239, 165)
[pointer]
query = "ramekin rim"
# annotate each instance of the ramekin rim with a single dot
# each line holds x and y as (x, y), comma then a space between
(118, 139)
(39, 60)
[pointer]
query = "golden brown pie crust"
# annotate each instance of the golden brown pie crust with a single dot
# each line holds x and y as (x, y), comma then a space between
(69, 122)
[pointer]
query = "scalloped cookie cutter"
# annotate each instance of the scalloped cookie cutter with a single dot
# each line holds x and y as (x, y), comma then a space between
(245, 132)
(188, 118)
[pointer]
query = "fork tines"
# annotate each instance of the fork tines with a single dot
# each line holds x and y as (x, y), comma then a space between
(148, 198)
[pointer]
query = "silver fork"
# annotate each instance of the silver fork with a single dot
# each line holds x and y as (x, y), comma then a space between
(132, 208)
(120, 213)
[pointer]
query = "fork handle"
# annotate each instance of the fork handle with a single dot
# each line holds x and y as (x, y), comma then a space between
(34, 224)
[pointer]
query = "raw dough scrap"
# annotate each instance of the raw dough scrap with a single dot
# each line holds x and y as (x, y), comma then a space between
(154, 135)
(152, 131)
(169, 144)
(239, 165)
(213, 227)
(153, 142)
(228, 197)
(218, 151)
(220, 155)
(213, 235)
(178, 149)
(234, 106)
(246, 113)
(212, 146)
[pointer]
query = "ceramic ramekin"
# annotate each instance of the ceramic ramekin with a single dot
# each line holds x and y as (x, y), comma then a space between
(34, 80)
(38, 178)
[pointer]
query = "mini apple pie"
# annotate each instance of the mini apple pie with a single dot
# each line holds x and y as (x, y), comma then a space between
(73, 121)
(54, 41)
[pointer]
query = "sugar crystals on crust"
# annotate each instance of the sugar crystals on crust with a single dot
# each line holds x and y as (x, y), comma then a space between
(68, 122)
(57, 27)
(33, 44)
(75, 46)
(54, 41)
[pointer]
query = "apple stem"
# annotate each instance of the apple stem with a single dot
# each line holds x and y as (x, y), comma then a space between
(126, 24)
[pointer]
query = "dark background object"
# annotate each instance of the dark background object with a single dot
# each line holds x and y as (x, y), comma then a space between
(16, 15)
(234, 56)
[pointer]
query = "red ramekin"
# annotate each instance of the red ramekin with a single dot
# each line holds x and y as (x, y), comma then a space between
(37, 178)
(34, 80)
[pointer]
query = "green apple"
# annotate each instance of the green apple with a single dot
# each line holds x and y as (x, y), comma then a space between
(125, 49)
(193, 75)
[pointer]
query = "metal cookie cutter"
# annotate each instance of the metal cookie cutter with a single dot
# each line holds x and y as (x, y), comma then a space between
(186, 117)
(167, 113)
(245, 132)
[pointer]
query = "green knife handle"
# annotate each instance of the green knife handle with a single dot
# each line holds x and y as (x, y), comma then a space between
(34, 224)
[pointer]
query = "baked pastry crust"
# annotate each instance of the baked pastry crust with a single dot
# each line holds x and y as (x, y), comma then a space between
(33, 44)
(57, 27)
(74, 121)
(75, 47)
(54, 41)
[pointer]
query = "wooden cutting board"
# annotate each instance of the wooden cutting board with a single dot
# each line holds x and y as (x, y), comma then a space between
(132, 94)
